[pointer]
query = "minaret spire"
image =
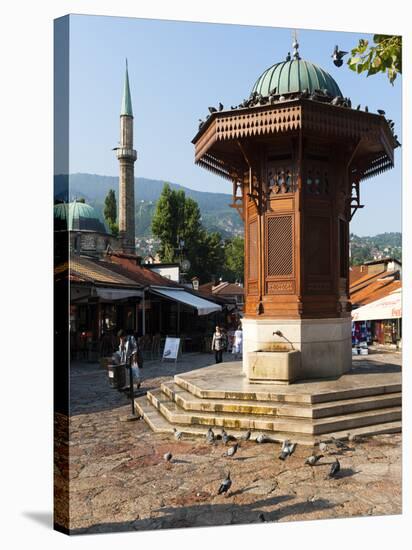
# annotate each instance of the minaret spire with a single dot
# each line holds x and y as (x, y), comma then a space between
(127, 100)
(127, 157)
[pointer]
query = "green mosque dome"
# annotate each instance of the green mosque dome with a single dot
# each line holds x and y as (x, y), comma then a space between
(78, 216)
(295, 75)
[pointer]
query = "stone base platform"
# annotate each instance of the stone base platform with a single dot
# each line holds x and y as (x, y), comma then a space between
(307, 411)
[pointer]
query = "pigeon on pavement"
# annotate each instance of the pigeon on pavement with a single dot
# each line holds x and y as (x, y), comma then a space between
(225, 485)
(312, 460)
(262, 438)
(178, 435)
(287, 449)
(168, 456)
(334, 468)
(225, 436)
(340, 444)
(232, 450)
(246, 436)
(323, 446)
(210, 436)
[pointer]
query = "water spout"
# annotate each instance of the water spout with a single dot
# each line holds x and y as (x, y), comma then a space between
(281, 335)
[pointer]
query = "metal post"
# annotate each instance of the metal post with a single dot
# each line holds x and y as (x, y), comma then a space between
(143, 314)
(132, 415)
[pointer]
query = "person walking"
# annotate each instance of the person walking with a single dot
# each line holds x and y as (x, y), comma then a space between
(237, 343)
(129, 351)
(218, 344)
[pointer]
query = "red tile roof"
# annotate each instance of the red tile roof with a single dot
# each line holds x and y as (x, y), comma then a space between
(367, 279)
(356, 272)
(378, 288)
(126, 265)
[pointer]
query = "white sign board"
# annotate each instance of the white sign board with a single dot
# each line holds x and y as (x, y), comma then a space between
(172, 347)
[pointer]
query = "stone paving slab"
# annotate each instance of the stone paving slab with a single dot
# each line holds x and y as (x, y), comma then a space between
(119, 480)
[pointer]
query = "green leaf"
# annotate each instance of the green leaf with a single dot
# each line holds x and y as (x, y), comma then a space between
(354, 60)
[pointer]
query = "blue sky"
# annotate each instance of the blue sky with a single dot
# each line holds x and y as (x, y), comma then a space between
(178, 69)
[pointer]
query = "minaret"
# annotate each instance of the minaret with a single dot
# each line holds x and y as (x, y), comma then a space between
(127, 157)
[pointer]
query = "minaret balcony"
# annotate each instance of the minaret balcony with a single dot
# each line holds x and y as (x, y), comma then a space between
(126, 153)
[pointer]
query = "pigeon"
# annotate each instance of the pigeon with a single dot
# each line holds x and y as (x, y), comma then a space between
(262, 438)
(178, 435)
(262, 518)
(323, 446)
(210, 436)
(336, 100)
(212, 110)
(224, 436)
(201, 122)
(287, 449)
(288, 58)
(337, 56)
(340, 444)
(273, 91)
(232, 450)
(381, 112)
(366, 109)
(220, 106)
(312, 460)
(334, 468)
(358, 107)
(225, 485)
(246, 436)
(233, 107)
(168, 456)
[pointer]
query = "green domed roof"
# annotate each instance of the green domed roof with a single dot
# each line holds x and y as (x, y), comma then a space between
(78, 216)
(294, 76)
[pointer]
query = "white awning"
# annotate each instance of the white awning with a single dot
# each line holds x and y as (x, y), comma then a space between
(389, 307)
(204, 307)
(116, 293)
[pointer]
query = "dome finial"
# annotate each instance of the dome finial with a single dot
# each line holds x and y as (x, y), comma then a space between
(295, 45)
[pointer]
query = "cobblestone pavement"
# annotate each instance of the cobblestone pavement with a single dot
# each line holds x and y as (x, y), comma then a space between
(119, 480)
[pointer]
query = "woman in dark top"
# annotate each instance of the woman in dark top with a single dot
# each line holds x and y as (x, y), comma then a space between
(218, 344)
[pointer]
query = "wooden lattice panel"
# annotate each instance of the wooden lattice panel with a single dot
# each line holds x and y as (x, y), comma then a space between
(279, 246)
(253, 250)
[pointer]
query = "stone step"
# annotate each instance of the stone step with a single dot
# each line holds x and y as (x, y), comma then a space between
(158, 424)
(228, 382)
(190, 402)
(176, 415)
